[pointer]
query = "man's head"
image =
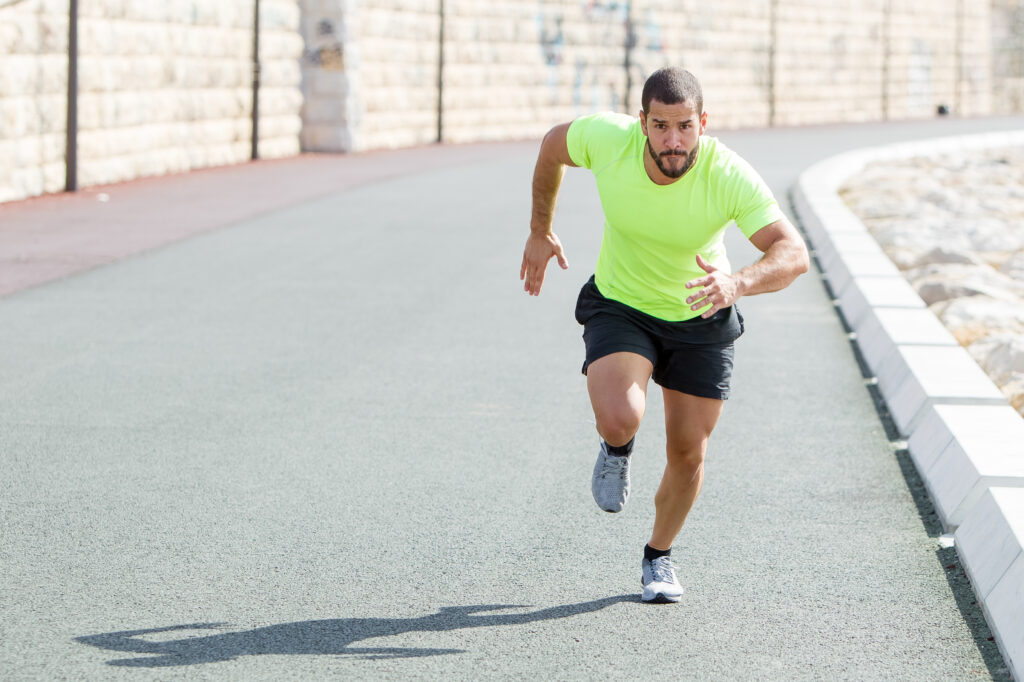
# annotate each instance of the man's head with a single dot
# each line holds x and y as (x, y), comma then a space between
(673, 85)
(673, 120)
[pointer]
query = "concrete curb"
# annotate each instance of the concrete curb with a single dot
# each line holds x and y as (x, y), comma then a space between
(965, 440)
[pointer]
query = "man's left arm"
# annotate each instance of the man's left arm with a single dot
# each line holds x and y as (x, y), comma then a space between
(785, 258)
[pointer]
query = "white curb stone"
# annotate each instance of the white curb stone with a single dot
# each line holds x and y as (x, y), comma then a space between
(860, 243)
(990, 544)
(962, 435)
(883, 329)
(848, 266)
(917, 376)
(984, 447)
(863, 294)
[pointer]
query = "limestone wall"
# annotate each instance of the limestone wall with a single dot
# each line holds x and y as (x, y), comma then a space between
(1008, 56)
(164, 87)
(512, 68)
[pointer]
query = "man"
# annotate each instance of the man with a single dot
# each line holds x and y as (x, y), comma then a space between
(661, 301)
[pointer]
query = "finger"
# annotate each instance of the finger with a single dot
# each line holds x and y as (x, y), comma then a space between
(704, 293)
(537, 281)
(704, 265)
(699, 282)
(522, 269)
(710, 311)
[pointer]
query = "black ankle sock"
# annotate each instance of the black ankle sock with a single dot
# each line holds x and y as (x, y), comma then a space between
(620, 450)
(651, 554)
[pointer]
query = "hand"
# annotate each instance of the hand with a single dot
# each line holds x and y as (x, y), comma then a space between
(540, 248)
(719, 289)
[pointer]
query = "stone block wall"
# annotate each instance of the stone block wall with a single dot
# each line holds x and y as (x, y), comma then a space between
(33, 90)
(370, 73)
(1008, 56)
(163, 87)
(513, 68)
(726, 44)
(166, 86)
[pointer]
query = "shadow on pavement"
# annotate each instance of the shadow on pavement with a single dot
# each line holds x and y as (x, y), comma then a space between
(321, 637)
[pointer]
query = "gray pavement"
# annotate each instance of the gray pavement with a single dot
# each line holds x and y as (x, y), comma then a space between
(335, 439)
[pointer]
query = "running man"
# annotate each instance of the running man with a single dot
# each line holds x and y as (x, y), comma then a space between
(661, 301)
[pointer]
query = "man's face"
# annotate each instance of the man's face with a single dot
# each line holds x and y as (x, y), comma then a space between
(673, 132)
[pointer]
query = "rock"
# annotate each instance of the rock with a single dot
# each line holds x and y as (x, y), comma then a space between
(1001, 356)
(1014, 392)
(942, 254)
(944, 281)
(1014, 267)
(976, 317)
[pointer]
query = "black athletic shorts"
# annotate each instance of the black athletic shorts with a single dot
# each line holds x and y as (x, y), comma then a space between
(693, 356)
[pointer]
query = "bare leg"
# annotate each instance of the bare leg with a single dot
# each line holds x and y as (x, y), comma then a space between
(689, 421)
(617, 384)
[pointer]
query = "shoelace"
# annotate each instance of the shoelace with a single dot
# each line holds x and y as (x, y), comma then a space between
(615, 466)
(663, 570)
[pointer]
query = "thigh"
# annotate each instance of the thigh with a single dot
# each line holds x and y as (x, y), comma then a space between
(689, 419)
(617, 384)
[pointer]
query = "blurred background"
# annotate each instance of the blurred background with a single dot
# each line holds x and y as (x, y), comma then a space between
(101, 91)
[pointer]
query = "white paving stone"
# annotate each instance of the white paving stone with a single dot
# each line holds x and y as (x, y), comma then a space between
(864, 293)
(1005, 606)
(882, 329)
(990, 544)
(916, 376)
(986, 449)
(843, 244)
(991, 538)
(852, 265)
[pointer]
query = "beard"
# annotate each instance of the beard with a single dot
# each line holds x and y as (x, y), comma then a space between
(667, 170)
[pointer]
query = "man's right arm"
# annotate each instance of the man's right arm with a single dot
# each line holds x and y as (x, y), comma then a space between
(542, 243)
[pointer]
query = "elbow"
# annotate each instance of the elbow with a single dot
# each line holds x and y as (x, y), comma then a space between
(801, 258)
(803, 262)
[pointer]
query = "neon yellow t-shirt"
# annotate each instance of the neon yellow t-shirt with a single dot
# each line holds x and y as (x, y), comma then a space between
(653, 233)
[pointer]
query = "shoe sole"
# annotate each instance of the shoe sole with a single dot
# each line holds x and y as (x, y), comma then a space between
(660, 598)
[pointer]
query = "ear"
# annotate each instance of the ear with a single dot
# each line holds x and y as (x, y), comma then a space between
(643, 123)
(703, 122)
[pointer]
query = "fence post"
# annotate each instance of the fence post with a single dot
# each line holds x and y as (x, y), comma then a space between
(440, 72)
(886, 56)
(773, 46)
(71, 134)
(256, 81)
(627, 61)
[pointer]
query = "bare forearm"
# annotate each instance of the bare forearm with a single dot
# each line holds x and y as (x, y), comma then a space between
(547, 178)
(783, 262)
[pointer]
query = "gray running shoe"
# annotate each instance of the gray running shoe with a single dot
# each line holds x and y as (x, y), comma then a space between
(610, 484)
(660, 583)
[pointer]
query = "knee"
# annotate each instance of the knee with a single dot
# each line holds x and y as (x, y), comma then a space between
(618, 426)
(686, 459)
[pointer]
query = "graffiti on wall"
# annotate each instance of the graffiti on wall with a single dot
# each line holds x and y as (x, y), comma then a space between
(329, 51)
(592, 86)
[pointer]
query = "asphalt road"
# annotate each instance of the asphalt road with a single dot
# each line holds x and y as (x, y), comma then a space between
(336, 439)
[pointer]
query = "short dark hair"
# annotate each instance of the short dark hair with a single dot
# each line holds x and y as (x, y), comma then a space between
(673, 85)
